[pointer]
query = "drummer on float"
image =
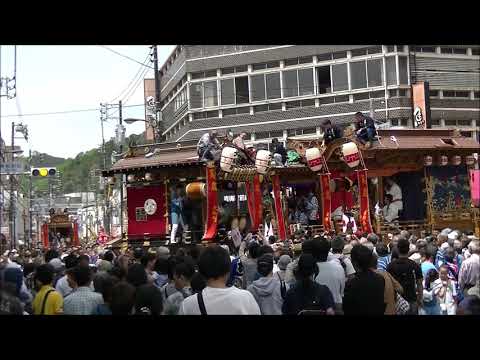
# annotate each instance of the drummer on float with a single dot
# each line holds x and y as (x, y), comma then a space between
(392, 188)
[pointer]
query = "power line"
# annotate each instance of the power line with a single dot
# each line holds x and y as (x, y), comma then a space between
(132, 81)
(63, 112)
(125, 56)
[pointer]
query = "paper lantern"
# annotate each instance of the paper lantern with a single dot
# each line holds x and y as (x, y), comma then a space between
(314, 159)
(469, 160)
(351, 154)
(262, 161)
(443, 160)
(456, 160)
(131, 178)
(228, 158)
(148, 176)
(428, 160)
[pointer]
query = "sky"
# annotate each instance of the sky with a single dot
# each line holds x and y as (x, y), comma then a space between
(65, 78)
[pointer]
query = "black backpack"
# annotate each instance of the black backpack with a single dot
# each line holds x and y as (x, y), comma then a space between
(314, 307)
(283, 287)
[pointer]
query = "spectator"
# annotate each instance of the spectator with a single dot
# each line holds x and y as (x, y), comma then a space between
(9, 305)
(364, 294)
(445, 292)
(163, 252)
(198, 283)
(430, 303)
(214, 265)
(409, 275)
(123, 299)
(330, 132)
(104, 284)
(148, 300)
(118, 273)
(307, 296)
(182, 277)
(392, 288)
(161, 268)
(469, 273)
(47, 301)
(427, 261)
(82, 301)
(440, 256)
(384, 257)
(148, 261)
(62, 284)
(283, 262)
(169, 287)
(338, 244)
(268, 290)
(137, 275)
(249, 262)
(469, 306)
(365, 128)
(311, 206)
(453, 262)
(330, 273)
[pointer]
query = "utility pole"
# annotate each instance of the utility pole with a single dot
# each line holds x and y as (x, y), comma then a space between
(12, 189)
(157, 96)
(120, 120)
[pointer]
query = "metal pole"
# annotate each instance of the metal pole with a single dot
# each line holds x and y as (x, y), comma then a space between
(1, 150)
(121, 182)
(12, 204)
(157, 95)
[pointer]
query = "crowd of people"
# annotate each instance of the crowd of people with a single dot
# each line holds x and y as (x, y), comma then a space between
(355, 274)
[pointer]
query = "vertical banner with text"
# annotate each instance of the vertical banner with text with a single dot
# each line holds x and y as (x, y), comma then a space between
(282, 231)
(212, 204)
(45, 236)
(364, 202)
(326, 201)
(421, 105)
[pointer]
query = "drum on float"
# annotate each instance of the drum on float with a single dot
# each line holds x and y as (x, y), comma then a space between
(196, 190)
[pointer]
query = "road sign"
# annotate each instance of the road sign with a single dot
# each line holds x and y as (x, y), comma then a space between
(10, 168)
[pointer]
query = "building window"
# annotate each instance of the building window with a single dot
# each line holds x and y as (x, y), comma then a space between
(358, 75)
(273, 64)
(339, 77)
(204, 74)
(476, 51)
(227, 71)
(390, 48)
(276, 134)
(233, 70)
(402, 92)
(210, 93)
(242, 90)
(435, 122)
(327, 100)
(241, 68)
(309, 131)
(307, 102)
(256, 67)
(324, 81)
(262, 135)
(341, 98)
(462, 94)
(433, 93)
(393, 93)
(291, 62)
(339, 55)
(292, 104)
(260, 108)
(325, 57)
(449, 50)
(198, 116)
(236, 111)
(425, 49)
(273, 85)
(402, 69)
(243, 110)
(361, 96)
(391, 70)
(476, 94)
(305, 80)
(305, 60)
(377, 94)
(227, 91)
(374, 50)
(375, 72)
(196, 96)
(450, 122)
(257, 83)
(359, 52)
(290, 83)
(448, 94)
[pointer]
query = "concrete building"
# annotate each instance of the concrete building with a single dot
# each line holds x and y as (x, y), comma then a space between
(272, 91)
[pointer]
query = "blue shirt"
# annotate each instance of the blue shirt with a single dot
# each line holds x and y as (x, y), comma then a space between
(426, 267)
(383, 262)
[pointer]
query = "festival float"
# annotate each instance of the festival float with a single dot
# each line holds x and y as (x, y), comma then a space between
(59, 222)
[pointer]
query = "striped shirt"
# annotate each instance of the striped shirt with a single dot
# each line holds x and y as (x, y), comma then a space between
(383, 262)
(469, 271)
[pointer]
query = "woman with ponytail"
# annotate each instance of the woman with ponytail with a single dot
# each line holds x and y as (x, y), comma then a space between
(307, 297)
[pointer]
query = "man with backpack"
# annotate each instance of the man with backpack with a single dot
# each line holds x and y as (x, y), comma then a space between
(269, 290)
(338, 245)
(182, 275)
(409, 274)
(47, 301)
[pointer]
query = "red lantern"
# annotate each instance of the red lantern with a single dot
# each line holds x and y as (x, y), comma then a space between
(443, 160)
(428, 160)
(456, 160)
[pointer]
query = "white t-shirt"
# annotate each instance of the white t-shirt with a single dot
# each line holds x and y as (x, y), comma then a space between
(222, 301)
(390, 212)
(396, 193)
(332, 275)
(349, 269)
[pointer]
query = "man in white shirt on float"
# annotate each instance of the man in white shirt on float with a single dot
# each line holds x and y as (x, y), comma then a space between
(218, 299)
(391, 188)
(390, 210)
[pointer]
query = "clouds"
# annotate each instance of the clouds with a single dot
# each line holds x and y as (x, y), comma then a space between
(56, 78)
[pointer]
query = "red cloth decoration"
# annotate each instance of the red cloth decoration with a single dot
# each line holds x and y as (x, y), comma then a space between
(326, 201)
(282, 231)
(364, 201)
(212, 204)
(254, 200)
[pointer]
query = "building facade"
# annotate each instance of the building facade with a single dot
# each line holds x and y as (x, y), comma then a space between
(284, 91)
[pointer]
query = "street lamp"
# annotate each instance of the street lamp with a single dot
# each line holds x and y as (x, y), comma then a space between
(132, 120)
(151, 122)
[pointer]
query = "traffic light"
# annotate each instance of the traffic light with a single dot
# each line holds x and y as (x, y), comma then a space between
(43, 171)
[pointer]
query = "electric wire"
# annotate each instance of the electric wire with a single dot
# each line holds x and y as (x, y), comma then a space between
(125, 56)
